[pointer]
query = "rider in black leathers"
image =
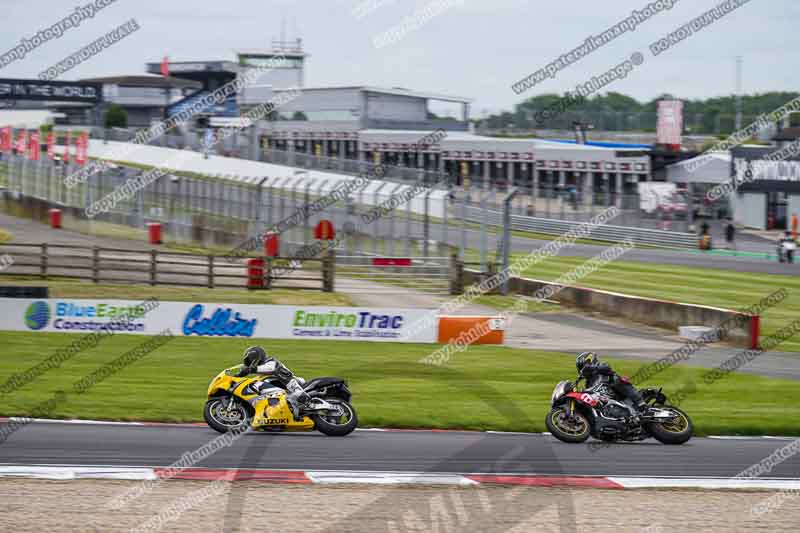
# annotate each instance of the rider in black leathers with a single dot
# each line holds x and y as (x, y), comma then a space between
(594, 372)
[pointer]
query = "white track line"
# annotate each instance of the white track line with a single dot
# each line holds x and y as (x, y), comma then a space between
(706, 483)
(168, 424)
(388, 478)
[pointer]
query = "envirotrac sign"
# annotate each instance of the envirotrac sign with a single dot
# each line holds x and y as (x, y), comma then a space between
(193, 319)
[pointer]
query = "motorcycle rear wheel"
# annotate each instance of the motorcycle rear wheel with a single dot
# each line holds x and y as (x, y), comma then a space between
(677, 432)
(334, 426)
(575, 431)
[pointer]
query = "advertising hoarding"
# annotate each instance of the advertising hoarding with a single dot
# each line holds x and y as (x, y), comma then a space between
(217, 320)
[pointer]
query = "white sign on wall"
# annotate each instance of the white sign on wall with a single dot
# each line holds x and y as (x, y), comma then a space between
(763, 169)
(216, 320)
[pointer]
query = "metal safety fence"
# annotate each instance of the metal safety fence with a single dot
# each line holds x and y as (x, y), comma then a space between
(158, 267)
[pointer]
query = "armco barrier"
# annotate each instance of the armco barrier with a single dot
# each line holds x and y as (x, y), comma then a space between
(653, 312)
(652, 237)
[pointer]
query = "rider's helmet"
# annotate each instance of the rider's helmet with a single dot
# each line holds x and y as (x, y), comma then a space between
(254, 356)
(586, 358)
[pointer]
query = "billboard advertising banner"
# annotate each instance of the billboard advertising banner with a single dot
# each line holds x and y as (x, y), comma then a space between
(217, 320)
(63, 91)
(670, 122)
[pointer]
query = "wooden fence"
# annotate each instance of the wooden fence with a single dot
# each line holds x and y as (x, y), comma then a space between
(157, 267)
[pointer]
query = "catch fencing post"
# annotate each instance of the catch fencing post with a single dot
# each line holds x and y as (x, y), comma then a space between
(445, 206)
(484, 221)
(391, 220)
(282, 200)
(259, 206)
(377, 221)
(426, 228)
(507, 236)
(408, 229)
(295, 205)
(349, 227)
(139, 199)
(307, 217)
(87, 192)
(174, 185)
(332, 207)
(463, 227)
(254, 143)
(211, 271)
(270, 203)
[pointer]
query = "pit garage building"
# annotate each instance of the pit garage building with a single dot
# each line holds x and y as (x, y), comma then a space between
(387, 125)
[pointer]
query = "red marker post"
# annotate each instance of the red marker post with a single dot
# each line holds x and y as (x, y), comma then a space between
(22, 137)
(154, 232)
(81, 149)
(272, 244)
(51, 145)
(6, 139)
(34, 147)
(55, 218)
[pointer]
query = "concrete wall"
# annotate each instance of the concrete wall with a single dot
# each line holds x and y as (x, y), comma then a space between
(660, 313)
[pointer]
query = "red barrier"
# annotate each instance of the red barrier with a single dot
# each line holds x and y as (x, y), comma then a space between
(391, 261)
(55, 218)
(272, 245)
(755, 332)
(255, 273)
(154, 232)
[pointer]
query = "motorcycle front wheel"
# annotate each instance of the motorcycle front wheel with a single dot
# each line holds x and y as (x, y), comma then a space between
(676, 431)
(336, 424)
(566, 428)
(223, 414)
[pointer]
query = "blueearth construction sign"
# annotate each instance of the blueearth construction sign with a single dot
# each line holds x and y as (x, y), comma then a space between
(192, 319)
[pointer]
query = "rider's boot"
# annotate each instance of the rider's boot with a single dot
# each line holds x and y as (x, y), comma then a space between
(296, 401)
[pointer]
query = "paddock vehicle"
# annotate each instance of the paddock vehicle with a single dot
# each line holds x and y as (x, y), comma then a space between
(261, 403)
(578, 414)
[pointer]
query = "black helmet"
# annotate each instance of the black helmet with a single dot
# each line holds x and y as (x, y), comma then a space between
(586, 358)
(254, 356)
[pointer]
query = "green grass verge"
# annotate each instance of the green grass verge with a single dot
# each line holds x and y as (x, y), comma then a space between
(500, 302)
(704, 286)
(5, 236)
(482, 388)
(128, 291)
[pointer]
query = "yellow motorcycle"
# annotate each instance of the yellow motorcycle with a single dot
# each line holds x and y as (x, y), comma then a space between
(261, 402)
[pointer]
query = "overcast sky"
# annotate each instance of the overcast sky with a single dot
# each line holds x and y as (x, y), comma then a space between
(475, 48)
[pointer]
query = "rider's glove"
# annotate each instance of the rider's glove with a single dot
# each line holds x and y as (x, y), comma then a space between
(244, 372)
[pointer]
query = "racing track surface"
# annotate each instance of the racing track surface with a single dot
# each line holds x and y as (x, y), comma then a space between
(371, 450)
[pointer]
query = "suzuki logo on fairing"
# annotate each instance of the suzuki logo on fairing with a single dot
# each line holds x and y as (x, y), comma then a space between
(221, 323)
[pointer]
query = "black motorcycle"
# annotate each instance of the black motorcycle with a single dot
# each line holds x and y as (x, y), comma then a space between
(597, 412)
